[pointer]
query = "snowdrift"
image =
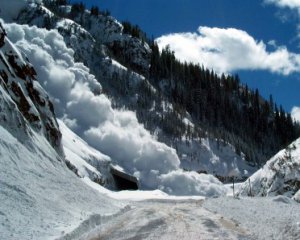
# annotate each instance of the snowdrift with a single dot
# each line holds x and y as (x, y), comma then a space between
(40, 197)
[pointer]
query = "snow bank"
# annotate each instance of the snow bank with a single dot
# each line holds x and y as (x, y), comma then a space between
(40, 198)
(266, 218)
(78, 102)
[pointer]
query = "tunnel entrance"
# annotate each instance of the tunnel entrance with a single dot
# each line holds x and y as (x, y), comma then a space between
(123, 180)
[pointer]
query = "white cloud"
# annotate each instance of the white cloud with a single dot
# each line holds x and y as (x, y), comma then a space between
(292, 4)
(227, 50)
(286, 4)
(115, 133)
(296, 113)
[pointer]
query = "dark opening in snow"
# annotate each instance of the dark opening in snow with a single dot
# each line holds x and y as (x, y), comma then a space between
(124, 184)
(123, 180)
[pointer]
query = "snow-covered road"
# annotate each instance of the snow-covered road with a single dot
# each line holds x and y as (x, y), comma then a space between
(267, 217)
(165, 219)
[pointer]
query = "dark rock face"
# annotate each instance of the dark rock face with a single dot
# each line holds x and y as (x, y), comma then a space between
(18, 79)
(92, 34)
(279, 176)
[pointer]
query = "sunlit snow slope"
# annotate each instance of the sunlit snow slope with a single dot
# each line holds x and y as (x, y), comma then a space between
(279, 176)
(40, 197)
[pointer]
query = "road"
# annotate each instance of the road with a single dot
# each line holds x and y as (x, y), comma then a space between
(167, 220)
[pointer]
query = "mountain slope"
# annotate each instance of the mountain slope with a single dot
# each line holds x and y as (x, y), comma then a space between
(18, 80)
(42, 199)
(39, 195)
(79, 101)
(84, 160)
(101, 43)
(279, 176)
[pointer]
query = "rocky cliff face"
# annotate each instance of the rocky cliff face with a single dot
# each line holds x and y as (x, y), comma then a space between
(93, 33)
(279, 176)
(23, 100)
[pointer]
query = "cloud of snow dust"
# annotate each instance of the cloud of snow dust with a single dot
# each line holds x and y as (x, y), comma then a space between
(78, 102)
(178, 181)
(229, 49)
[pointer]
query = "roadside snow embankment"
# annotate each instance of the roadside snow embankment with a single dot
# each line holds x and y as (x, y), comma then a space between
(267, 218)
(40, 198)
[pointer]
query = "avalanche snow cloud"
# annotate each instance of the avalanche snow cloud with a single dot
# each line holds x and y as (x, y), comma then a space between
(78, 102)
(229, 49)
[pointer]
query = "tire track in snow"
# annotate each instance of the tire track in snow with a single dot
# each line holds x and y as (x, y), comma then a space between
(167, 220)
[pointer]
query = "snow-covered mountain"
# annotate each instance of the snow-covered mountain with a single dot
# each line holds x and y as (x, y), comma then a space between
(41, 81)
(19, 84)
(99, 42)
(279, 176)
(78, 100)
(39, 195)
(60, 135)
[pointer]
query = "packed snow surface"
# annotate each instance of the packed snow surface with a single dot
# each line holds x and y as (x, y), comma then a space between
(167, 220)
(266, 218)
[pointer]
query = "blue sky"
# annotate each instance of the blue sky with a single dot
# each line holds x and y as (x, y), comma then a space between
(244, 30)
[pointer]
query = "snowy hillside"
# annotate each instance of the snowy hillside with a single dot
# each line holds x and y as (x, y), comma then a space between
(77, 101)
(30, 101)
(39, 195)
(65, 130)
(84, 160)
(99, 42)
(280, 175)
(211, 156)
